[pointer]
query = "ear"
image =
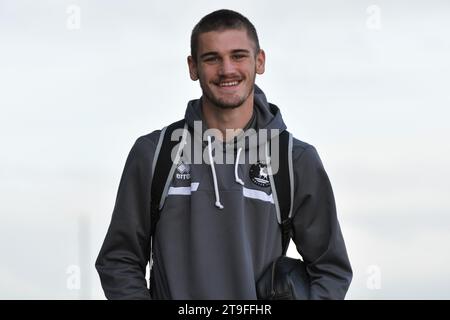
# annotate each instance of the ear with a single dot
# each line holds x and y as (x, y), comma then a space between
(192, 68)
(260, 62)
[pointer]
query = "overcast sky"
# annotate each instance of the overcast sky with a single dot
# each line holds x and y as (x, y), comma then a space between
(366, 82)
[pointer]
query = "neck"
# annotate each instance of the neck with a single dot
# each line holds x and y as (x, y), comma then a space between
(231, 119)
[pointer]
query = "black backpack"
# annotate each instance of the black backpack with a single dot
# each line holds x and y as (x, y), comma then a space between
(283, 193)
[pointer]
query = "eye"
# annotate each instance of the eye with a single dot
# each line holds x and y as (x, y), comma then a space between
(211, 59)
(239, 56)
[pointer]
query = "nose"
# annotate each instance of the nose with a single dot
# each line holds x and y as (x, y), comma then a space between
(226, 67)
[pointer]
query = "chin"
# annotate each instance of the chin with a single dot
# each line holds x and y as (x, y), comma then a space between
(228, 106)
(228, 103)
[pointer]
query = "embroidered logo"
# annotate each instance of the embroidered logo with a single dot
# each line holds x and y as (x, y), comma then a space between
(183, 171)
(259, 175)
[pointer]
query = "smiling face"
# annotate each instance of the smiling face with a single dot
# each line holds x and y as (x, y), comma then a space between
(226, 67)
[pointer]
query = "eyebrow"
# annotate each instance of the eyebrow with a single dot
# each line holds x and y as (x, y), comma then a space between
(215, 53)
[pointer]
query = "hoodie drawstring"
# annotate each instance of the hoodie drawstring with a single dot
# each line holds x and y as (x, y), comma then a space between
(236, 163)
(213, 170)
(211, 163)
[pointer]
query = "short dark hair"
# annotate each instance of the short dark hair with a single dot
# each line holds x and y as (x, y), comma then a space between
(220, 20)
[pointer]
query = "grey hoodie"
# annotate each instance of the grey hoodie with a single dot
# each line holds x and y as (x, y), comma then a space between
(216, 235)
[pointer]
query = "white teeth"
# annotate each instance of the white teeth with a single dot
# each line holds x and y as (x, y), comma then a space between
(229, 84)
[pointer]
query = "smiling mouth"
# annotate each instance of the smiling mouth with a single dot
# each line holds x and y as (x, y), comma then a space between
(228, 84)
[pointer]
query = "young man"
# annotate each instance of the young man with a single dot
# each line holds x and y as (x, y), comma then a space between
(218, 229)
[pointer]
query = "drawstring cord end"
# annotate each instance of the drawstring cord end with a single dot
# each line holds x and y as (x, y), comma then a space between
(216, 187)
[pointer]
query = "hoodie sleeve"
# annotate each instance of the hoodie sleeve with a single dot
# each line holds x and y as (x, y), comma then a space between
(125, 252)
(317, 234)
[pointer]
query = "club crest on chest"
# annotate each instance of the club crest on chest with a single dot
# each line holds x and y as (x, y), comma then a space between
(259, 175)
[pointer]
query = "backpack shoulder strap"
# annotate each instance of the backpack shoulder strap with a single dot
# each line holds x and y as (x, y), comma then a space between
(162, 171)
(162, 167)
(284, 187)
